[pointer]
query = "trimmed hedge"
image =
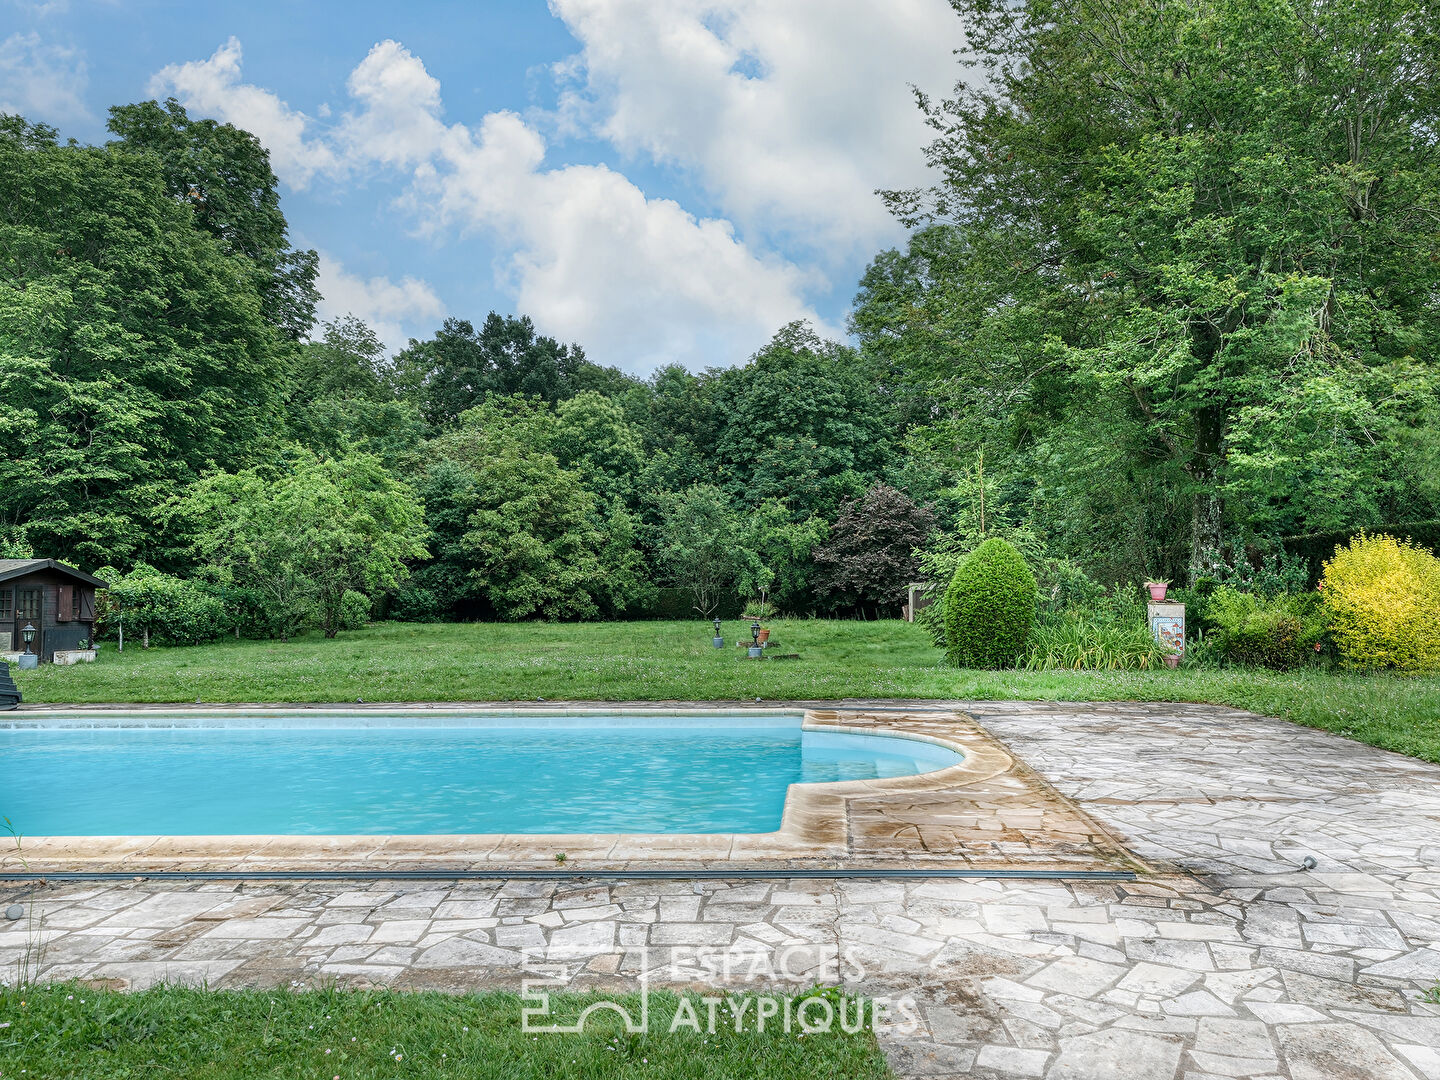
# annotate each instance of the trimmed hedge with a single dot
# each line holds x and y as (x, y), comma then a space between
(989, 607)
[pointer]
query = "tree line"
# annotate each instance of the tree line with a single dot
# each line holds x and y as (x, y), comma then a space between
(1171, 305)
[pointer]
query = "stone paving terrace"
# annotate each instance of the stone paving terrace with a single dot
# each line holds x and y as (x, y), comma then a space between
(1229, 961)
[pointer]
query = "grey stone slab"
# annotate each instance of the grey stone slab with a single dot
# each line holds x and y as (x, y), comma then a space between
(1116, 1055)
(1338, 1052)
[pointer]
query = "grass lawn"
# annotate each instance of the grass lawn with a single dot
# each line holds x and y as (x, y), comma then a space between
(76, 1032)
(673, 661)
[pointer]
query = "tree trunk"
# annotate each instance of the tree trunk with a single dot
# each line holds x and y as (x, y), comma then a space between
(1207, 521)
(1207, 512)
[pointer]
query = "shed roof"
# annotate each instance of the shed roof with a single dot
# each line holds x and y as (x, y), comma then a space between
(14, 568)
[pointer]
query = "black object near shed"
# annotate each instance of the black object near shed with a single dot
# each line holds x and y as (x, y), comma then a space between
(58, 601)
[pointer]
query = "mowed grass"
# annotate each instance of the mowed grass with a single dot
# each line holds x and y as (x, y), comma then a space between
(673, 661)
(72, 1031)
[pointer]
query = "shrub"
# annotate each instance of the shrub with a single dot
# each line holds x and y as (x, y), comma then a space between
(1093, 645)
(989, 607)
(157, 608)
(870, 556)
(415, 603)
(1276, 574)
(1278, 632)
(354, 610)
(1383, 599)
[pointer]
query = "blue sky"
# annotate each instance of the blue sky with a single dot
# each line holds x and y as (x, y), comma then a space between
(659, 180)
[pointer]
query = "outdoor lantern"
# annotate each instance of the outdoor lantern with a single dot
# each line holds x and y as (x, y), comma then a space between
(718, 641)
(755, 632)
(27, 635)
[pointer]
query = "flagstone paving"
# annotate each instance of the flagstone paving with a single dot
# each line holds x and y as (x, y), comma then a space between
(1229, 961)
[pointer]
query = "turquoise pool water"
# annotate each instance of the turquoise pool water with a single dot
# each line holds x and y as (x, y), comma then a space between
(597, 775)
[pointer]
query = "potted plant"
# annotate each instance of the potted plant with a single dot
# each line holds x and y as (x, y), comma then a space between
(764, 634)
(1157, 589)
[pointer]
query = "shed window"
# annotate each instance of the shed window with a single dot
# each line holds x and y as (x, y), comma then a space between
(27, 603)
(75, 602)
(6, 609)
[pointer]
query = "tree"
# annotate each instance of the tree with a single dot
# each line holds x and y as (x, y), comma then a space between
(591, 436)
(698, 545)
(340, 397)
(518, 534)
(308, 536)
(532, 539)
(777, 564)
(871, 554)
(460, 367)
(158, 608)
(134, 352)
(223, 174)
(1199, 237)
(799, 423)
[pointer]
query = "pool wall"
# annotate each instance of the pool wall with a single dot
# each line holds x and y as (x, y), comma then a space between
(816, 824)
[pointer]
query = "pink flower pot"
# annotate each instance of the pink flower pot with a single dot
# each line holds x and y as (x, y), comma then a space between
(1172, 661)
(1157, 591)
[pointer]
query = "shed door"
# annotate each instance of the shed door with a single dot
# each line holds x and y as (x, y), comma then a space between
(30, 609)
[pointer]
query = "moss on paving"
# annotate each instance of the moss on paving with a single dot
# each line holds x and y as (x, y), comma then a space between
(673, 661)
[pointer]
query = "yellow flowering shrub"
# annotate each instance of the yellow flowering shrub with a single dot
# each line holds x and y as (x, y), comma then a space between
(1382, 596)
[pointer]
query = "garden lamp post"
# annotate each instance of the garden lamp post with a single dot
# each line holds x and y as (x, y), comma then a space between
(718, 641)
(28, 660)
(754, 651)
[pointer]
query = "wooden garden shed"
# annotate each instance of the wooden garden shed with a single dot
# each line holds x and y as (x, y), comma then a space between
(58, 600)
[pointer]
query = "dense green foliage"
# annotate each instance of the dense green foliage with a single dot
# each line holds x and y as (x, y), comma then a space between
(1276, 632)
(303, 540)
(673, 661)
(157, 608)
(989, 607)
(1171, 308)
(1178, 279)
(135, 347)
(1383, 599)
(79, 1032)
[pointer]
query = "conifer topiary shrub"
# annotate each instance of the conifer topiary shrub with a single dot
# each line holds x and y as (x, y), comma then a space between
(989, 607)
(1383, 599)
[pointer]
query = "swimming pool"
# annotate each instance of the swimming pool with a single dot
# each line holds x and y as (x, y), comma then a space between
(307, 775)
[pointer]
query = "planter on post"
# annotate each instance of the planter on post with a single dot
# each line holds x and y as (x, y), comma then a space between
(1167, 625)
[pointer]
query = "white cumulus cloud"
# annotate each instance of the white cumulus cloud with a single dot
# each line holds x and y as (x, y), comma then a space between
(637, 281)
(41, 81)
(791, 114)
(213, 87)
(394, 310)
